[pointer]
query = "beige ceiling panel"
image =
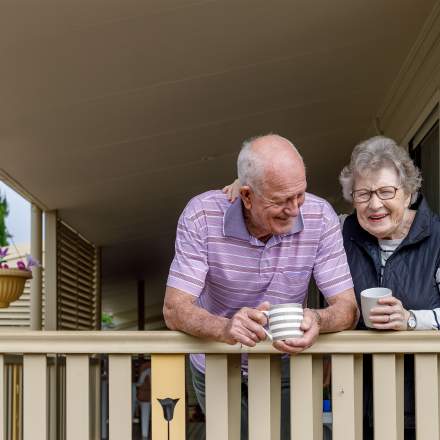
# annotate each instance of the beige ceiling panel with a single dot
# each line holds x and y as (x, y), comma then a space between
(78, 182)
(235, 93)
(186, 43)
(115, 223)
(25, 20)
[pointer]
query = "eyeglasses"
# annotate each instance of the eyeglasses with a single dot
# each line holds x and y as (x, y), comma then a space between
(384, 193)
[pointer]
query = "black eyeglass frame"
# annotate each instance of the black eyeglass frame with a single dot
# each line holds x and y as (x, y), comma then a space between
(375, 192)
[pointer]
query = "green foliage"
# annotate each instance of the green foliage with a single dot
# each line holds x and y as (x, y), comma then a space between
(107, 319)
(4, 211)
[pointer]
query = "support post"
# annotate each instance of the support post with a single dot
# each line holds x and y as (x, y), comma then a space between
(141, 305)
(37, 280)
(50, 271)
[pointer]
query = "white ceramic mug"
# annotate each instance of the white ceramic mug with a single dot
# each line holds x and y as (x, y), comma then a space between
(369, 299)
(284, 321)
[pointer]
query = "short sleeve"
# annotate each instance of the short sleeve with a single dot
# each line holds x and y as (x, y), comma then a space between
(190, 265)
(331, 270)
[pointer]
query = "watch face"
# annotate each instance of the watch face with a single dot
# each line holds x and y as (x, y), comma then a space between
(412, 322)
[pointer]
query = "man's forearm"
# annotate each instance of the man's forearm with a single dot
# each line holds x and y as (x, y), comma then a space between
(187, 317)
(341, 316)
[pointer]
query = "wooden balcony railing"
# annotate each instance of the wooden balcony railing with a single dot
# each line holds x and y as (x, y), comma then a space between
(223, 384)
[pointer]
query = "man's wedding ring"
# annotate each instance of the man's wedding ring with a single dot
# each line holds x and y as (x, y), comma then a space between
(389, 318)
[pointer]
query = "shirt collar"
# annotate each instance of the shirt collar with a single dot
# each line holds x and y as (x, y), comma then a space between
(235, 227)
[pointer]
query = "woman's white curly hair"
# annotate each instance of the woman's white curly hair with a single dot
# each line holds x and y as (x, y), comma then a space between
(373, 155)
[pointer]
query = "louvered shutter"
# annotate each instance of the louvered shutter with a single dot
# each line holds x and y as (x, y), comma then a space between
(78, 278)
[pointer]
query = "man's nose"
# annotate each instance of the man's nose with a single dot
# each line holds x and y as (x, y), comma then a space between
(292, 208)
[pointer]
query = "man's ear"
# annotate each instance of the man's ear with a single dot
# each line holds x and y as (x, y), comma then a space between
(245, 193)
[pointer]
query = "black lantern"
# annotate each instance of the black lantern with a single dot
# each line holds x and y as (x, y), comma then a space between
(168, 405)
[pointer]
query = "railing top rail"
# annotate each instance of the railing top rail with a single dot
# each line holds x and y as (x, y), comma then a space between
(66, 342)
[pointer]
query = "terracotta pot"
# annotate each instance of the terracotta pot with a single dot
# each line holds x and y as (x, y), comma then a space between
(12, 285)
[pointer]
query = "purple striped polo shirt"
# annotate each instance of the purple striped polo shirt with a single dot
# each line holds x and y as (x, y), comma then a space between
(218, 261)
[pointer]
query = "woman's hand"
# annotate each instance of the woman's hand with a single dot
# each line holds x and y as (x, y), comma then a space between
(392, 317)
(233, 190)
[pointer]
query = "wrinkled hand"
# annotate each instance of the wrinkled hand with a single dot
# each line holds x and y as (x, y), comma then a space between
(392, 317)
(233, 190)
(294, 346)
(245, 327)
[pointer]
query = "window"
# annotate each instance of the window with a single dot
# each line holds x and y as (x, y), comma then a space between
(425, 154)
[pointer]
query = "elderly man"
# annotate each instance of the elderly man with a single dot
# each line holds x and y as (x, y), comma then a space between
(233, 260)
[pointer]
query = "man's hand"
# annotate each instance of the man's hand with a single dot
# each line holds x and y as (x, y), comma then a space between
(245, 327)
(294, 346)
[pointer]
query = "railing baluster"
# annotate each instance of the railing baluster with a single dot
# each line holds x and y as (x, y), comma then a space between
(3, 413)
(168, 380)
(259, 396)
(52, 398)
(216, 388)
(77, 396)
(306, 397)
(234, 396)
(35, 396)
(347, 396)
(120, 423)
(95, 402)
(427, 406)
(387, 387)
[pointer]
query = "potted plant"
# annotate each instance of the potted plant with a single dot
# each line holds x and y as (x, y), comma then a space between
(12, 280)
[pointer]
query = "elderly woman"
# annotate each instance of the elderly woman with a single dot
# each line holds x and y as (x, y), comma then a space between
(393, 240)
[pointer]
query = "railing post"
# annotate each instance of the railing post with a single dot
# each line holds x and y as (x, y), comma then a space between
(216, 394)
(120, 423)
(306, 397)
(77, 397)
(259, 396)
(347, 396)
(427, 405)
(35, 397)
(168, 381)
(388, 385)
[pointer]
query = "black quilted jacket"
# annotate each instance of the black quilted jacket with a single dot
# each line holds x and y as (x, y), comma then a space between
(409, 273)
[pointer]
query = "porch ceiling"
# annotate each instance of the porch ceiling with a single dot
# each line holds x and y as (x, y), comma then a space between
(109, 108)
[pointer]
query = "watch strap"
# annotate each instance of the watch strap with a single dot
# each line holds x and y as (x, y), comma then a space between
(319, 318)
(413, 320)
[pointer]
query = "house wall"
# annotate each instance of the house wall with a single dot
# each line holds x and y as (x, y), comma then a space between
(415, 92)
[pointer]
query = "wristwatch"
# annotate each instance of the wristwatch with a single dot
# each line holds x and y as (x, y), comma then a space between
(412, 321)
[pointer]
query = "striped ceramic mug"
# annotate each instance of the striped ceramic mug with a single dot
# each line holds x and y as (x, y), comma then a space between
(284, 321)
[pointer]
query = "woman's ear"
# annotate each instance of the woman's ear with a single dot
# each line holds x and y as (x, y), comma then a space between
(245, 193)
(407, 200)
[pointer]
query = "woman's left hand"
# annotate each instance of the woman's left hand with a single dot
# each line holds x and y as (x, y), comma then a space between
(391, 317)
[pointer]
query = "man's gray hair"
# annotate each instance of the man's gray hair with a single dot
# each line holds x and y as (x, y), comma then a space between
(250, 166)
(373, 155)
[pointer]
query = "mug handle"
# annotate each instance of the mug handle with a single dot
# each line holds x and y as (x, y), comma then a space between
(266, 314)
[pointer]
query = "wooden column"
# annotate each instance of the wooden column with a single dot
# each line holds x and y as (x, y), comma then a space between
(141, 305)
(50, 271)
(37, 280)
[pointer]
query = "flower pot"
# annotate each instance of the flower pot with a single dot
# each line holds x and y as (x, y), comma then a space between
(12, 283)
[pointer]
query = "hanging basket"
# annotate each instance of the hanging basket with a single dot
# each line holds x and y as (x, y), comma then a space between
(12, 283)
